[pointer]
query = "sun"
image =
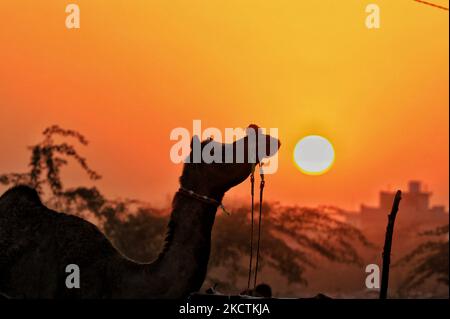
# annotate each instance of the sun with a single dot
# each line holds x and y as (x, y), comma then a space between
(314, 155)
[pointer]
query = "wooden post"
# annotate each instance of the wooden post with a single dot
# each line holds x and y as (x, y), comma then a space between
(387, 246)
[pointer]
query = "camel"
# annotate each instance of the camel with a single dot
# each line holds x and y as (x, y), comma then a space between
(37, 243)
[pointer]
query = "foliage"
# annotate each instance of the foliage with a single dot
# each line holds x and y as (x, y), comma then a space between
(47, 158)
(293, 237)
(428, 261)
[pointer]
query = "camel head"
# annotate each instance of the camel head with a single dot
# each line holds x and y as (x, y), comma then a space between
(212, 168)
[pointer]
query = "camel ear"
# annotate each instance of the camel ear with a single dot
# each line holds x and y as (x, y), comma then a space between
(256, 129)
(195, 141)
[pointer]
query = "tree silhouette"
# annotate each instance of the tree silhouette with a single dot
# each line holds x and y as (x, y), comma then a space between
(47, 158)
(429, 261)
(293, 238)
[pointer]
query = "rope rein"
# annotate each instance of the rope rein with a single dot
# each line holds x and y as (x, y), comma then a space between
(212, 201)
(252, 192)
(261, 190)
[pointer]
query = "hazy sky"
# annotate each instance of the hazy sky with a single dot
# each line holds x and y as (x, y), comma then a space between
(137, 69)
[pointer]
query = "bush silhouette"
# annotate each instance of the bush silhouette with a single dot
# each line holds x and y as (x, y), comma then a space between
(293, 239)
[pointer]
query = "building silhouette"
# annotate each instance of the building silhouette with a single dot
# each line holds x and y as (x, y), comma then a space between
(415, 208)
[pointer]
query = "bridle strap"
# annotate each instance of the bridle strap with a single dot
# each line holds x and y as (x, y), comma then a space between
(202, 198)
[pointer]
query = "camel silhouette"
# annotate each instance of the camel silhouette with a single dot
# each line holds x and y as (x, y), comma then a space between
(37, 244)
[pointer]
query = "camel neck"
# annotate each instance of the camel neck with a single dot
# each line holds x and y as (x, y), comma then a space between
(188, 243)
(190, 220)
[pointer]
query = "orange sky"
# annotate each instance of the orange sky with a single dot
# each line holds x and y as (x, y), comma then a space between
(137, 69)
